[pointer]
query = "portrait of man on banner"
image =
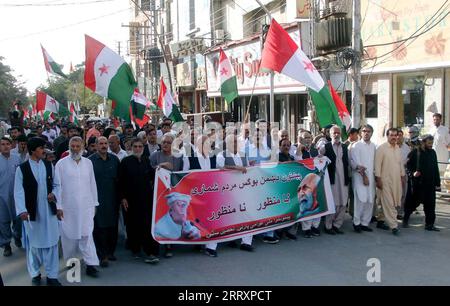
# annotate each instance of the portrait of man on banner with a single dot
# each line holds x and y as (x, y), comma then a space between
(307, 195)
(175, 225)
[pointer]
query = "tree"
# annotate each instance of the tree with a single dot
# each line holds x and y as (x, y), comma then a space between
(11, 90)
(73, 89)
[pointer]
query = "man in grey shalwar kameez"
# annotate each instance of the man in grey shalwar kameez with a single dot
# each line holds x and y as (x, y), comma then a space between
(8, 164)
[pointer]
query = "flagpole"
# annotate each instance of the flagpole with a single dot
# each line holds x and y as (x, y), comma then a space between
(272, 73)
(48, 78)
(223, 110)
(356, 84)
(250, 102)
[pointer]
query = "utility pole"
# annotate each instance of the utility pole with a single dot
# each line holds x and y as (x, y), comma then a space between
(272, 74)
(356, 77)
(160, 40)
(118, 48)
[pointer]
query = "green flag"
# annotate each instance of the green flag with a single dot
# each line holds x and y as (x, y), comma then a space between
(326, 110)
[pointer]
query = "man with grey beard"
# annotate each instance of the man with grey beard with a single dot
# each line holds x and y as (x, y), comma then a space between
(76, 194)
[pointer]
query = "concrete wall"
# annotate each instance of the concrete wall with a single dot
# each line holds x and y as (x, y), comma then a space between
(433, 94)
(384, 87)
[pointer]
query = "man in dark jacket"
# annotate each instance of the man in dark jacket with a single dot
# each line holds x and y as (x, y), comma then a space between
(284, 156)
(136, 182)
(424, 173)
(338, 171)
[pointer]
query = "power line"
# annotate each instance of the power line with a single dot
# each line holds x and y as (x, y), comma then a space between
(382, 24)
(53, 3)
(251, 20)
(234, 1)
(413, 35)
(65, 26)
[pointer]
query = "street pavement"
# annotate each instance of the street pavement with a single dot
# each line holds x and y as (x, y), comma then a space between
(416, 257)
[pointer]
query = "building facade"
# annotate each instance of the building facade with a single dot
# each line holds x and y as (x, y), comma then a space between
(406, 76)
(406, 66)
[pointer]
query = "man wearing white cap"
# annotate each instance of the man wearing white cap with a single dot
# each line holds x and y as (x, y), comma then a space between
(174, 225)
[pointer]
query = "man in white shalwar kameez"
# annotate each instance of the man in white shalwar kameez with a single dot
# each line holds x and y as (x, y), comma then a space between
(441, 142)
(36, 207)
(76, 194)
(362, 160)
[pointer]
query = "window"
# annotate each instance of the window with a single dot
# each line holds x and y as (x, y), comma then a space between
(191, 14)
(371, 106)
(254, 20)
(145, 5)
(411, 109)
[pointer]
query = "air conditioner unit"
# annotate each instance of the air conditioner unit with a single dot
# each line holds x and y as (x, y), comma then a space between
(219, 34)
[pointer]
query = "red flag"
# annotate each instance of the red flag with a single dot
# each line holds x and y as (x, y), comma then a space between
(282, 54)
(142, 122)
(343, 112)
(115, 122)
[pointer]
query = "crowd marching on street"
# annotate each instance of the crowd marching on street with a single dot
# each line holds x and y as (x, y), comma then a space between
(83, 188)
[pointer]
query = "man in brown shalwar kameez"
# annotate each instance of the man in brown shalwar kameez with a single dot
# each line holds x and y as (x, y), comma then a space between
(389, 172)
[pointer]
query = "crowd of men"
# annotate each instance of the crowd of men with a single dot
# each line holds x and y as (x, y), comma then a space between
(84, 187)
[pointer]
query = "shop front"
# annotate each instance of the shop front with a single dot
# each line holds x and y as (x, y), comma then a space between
(406, 98)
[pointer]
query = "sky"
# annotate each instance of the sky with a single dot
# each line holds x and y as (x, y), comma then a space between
(59, 25)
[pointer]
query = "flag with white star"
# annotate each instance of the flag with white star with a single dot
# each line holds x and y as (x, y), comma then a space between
(228, 80)
(108, 75)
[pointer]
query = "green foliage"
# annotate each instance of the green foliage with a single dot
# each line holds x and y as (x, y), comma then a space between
(10, 90)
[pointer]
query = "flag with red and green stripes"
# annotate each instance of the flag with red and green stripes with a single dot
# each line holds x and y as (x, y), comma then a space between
(108, 75)
(50, 65)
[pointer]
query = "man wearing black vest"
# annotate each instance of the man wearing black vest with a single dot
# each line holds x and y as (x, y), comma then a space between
(35, 205)
(201, 160)
(232, 159)
(338, 171)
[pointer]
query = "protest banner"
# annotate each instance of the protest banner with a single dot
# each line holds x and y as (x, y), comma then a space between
(222, 205)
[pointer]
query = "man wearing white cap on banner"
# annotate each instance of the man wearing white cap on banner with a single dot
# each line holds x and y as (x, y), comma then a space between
(174, 225)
